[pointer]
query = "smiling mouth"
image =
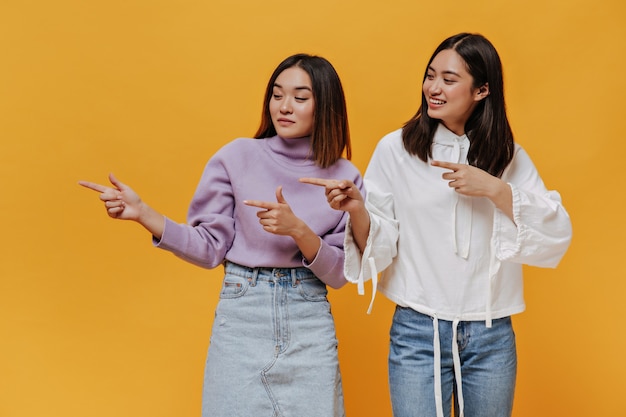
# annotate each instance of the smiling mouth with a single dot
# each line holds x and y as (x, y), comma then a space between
(435, 101)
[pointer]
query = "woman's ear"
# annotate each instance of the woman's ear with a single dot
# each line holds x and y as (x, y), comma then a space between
(482, 92)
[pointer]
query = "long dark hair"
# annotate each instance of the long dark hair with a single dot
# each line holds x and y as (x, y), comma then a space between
(491, 138)
(331, 134)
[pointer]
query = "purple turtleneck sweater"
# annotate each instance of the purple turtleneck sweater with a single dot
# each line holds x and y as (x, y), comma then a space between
(221, 227)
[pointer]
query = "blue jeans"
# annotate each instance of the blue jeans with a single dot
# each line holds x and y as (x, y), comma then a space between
(487, 359)
(273, 350)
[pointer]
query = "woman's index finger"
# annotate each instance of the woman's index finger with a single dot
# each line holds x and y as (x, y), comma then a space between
(448, 165)
(316, 181)
(93, 186)
(260, 204)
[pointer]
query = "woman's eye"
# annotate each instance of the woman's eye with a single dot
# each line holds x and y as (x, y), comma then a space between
(302, 98)
(277, 96)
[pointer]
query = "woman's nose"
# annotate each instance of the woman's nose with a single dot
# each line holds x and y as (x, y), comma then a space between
(285, 107)
(434, 87)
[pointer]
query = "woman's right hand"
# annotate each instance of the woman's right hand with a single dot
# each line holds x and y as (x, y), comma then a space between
(341, 194)
(120, 202)
(345, 195)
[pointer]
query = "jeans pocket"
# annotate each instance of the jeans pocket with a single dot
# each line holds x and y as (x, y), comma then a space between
(313, 290)
(233, 286)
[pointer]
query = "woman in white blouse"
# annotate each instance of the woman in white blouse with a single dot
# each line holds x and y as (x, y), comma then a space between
(454, 207)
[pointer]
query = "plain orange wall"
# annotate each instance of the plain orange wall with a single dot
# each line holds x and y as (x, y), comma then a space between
(95, 322)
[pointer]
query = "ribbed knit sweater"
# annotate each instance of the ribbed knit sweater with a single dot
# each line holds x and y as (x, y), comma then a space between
(220, 227)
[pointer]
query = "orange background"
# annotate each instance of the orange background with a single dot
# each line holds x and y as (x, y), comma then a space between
(95, 322)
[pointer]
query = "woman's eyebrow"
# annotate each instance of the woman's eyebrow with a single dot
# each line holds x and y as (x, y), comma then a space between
(444, 72)
(304, 87)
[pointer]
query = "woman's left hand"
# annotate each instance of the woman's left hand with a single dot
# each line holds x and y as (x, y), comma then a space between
(475, 182)
(469, 180)
(276, 218)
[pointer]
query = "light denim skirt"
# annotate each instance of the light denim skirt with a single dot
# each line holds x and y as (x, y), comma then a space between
(273, 349)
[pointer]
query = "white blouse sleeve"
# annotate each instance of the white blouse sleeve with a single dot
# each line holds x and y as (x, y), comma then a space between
(381, 246)
(542, 230)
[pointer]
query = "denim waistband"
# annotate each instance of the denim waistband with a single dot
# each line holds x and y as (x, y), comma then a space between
(292, 275)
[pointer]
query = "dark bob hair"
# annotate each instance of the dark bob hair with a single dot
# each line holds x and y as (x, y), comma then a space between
(331, 135)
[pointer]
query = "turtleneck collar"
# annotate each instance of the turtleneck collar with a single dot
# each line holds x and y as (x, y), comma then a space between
(295, 151)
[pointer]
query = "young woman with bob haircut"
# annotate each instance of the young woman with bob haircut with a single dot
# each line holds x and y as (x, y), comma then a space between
(273, 348)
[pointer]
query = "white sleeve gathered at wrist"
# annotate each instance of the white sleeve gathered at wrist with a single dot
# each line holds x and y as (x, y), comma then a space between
(540, 233)
(380, 248)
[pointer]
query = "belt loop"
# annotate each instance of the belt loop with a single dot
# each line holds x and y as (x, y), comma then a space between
(255, 274)
(294, 277)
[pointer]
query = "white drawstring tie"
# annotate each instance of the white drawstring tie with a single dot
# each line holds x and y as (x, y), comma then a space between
(449, 147)
(456, 358)
(360, 284)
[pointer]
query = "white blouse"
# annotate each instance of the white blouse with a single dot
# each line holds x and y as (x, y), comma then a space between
(445, 254)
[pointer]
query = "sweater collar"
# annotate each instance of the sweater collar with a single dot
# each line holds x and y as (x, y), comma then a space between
(296, 150)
